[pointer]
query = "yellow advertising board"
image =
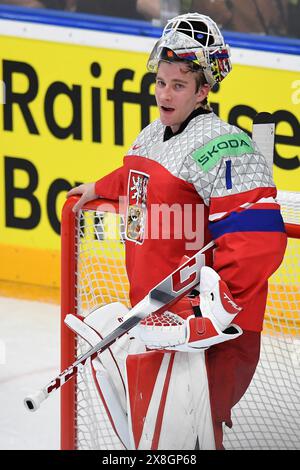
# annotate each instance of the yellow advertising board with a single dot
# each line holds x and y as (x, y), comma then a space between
(71, 113)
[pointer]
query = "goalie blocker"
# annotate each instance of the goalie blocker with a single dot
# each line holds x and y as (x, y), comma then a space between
(131, 379)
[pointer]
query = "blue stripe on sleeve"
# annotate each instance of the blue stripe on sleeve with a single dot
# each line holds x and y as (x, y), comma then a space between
(250, 220)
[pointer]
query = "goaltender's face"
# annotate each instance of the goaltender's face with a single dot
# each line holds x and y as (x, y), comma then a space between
(176, 94)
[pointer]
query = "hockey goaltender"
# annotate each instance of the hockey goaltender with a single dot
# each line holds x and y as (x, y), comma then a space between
(171, 382)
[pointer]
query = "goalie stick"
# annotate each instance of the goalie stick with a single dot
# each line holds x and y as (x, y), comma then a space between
(263, 134)
(166, 293)
(162, 296)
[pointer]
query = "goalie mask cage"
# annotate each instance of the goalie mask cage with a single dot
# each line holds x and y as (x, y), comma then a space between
(93, 274)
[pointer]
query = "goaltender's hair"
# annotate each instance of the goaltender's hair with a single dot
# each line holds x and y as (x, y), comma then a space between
(199, 79)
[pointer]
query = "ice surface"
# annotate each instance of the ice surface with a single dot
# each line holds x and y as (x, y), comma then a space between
(29, 359)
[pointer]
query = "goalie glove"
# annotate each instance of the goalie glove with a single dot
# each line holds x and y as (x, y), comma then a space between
(187, 331)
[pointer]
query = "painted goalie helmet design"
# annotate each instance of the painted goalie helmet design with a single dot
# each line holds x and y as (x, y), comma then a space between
(195, 38)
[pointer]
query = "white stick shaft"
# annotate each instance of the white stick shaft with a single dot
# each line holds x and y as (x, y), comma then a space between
(263, 134)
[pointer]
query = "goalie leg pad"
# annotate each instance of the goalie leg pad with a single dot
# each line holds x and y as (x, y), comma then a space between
(95, 327)
(111, 401)
(108, 369)
(168, 401)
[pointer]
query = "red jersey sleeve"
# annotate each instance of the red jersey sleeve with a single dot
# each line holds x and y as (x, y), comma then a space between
(112, 186)
(250, 237)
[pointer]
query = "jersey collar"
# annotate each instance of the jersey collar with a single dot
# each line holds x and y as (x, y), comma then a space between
(168, 134)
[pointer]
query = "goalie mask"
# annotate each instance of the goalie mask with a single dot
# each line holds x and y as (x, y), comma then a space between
(196, 38)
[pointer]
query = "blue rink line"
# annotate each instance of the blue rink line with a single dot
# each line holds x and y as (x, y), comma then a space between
(139, 28)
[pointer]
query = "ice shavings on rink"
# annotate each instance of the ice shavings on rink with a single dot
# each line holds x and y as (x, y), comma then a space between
(29, 359)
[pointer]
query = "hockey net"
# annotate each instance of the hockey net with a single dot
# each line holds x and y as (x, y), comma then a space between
(93, 274)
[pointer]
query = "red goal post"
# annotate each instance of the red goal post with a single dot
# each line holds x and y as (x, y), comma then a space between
(93, 273)
(70, 237)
